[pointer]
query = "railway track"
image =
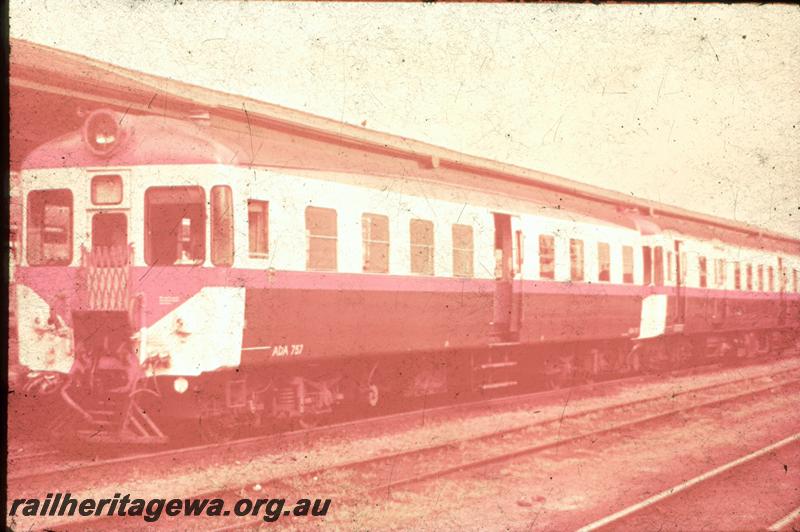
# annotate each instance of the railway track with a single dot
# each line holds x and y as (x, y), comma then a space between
(719, 498)
(425, 463)
(35, 469)
(440, 461)
(27, 460)
(613, 420)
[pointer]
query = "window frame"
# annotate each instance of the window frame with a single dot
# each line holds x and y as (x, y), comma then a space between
(70, 230)
(749, 276)
(702, 269)
(147, 237)
(647, 265)
(669, 274)
(577, 275)
(470, 251)
(628, 261)
(603, 246)
(548, 273)
(367, 241)
(431, 254)
(658, 265)
(720, 273)
(314, 237)
(251, 202)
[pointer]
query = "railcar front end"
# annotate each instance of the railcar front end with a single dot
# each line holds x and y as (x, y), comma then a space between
(122, 288)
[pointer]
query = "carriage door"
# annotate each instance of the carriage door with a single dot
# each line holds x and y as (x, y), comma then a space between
(508, 241)
(107, 262)
(109, 219)
(680, 282)
(109, 230)
(782, 283)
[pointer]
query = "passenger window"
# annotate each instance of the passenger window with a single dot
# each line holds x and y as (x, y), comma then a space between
(49, 227)
(719, 273)
(627, 264)
(703, 267)
(658, 266)
(175, 226)
(547, 257)
(375, 239)
(647, 265)
(321, 233)
(784, 277)
(462, 251)
(258, 228)
(749, 275)
(221, 226)
(737, 276)
(421, 246)
(576, 259)
(669, 265)
(603, 262)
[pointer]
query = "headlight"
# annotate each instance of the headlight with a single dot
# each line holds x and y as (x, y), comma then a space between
(180, 385)
(102, 132)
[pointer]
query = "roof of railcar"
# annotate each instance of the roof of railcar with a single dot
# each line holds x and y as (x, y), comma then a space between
(46, 70)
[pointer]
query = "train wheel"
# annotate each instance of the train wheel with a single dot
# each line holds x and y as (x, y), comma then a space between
(682, 353)
(560, 372)
(215, 424)
(311, 421)
(699, 349)
(635, 361)
(359, 392)
(373, 395)
(373, 392)
(216, 429)
(610, 360)
(765, 344)
(750, 343)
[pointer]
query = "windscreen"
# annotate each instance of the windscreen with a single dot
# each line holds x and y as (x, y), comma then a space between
(49, 227)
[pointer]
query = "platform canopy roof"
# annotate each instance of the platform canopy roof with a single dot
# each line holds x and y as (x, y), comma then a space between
(52, 90)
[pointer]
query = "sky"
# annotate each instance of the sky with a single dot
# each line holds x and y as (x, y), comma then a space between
(691, 105)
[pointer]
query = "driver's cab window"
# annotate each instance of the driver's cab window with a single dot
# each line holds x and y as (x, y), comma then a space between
(49, 227)
(175, 226)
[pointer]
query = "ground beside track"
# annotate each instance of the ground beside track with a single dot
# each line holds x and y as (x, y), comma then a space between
(575, 485)
(749, 496)
(222, 470)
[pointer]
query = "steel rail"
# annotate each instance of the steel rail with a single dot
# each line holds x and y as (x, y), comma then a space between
(503, 457)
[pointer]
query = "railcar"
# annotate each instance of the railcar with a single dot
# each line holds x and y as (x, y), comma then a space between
(163, 272)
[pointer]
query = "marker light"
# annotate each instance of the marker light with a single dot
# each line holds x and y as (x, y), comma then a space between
(180, 385)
